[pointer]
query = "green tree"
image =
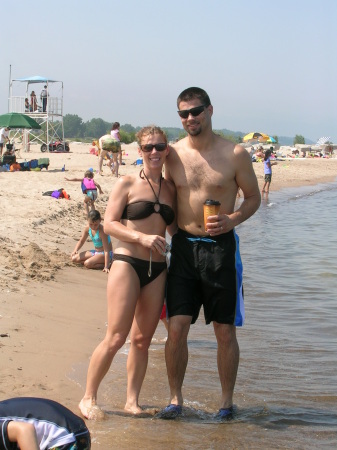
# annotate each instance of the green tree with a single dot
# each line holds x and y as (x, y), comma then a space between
(127, 137)
(298, 139)
(182, 135)
(276, 139)
(73, 126)
(128, 128)
(95, 128)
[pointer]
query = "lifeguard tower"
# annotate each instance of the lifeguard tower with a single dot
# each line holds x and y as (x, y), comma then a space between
(50, 119)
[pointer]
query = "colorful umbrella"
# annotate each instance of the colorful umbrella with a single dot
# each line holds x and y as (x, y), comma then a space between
(17, 120)
(255, 136)
(251, 136)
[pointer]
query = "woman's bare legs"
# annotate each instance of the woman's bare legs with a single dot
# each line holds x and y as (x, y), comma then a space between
(115, 163)
(122, 294)
(148, 309)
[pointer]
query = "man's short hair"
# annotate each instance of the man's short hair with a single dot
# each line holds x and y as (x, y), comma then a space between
(194, 92)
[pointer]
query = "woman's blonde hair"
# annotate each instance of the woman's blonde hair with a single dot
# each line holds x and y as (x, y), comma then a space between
(150, 130)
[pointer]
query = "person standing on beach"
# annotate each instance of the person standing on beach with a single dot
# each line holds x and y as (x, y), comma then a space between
(43, 98)
(4, 137)
(205, 267)
(89, 188)
(140, 208)
(267, 171)
(116, 135)
(108, 145)
(33, 101)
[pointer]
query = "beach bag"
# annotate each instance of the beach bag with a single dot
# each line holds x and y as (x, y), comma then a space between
(111, 145)
(43, 163)
(33, 163)
(15, 167)
(25, 166)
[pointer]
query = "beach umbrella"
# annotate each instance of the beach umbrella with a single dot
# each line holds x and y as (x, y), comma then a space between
(17, 120)
(251, 136)
(323, 140)
(255, 136)
(269, 139)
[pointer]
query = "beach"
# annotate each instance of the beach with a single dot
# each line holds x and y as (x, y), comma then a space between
(53, 313)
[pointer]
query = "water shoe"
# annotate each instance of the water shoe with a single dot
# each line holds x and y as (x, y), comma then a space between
(170, 412)
(225, 414)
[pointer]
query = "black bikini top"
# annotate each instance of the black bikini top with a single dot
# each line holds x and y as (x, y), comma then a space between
(143, 209)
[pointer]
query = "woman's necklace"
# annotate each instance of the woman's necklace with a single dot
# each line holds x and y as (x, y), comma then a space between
(157, 204)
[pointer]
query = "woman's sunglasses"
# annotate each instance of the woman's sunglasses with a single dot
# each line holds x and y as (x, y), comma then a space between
(184, 113)
(147, 148)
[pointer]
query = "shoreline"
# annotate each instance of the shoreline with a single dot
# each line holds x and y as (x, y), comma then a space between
(53, 313)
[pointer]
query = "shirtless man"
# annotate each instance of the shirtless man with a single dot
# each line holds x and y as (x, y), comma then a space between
(205, 265)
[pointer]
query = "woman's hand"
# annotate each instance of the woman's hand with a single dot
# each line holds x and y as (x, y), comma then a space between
(154, 242)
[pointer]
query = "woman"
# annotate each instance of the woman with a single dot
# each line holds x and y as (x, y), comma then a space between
(139, 210)
(116, 135)
(109, 148)
(33, 101)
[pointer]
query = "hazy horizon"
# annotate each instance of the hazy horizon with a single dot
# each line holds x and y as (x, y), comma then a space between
(268, 67)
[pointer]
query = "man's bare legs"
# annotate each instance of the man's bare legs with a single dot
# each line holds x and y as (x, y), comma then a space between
(146, 319)
(228, 360)
(176, 355)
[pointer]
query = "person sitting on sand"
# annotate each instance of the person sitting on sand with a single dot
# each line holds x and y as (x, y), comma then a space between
(101, 256)
(140, 208)
(89, 189)
(31, 423)
(259, 154)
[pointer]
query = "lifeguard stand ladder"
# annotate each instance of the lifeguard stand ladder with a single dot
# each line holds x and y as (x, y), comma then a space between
(19, 90)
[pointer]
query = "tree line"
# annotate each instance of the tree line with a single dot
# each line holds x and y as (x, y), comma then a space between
(75, 128)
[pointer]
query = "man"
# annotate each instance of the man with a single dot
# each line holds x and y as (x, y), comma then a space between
(205, 266)
(4, 132)
(43, 97)
(32, 423)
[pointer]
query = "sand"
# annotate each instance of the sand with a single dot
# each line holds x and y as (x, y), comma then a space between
(52, 313)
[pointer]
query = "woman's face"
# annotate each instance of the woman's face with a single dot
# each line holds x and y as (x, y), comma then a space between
(152, 156)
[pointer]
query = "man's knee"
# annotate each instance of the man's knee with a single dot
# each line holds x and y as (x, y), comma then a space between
(225, 334)
(178, 328)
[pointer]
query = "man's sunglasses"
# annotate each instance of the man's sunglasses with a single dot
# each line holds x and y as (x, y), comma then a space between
(184, 113)
(147, 148)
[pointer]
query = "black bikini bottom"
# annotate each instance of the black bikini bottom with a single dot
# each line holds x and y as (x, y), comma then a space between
(141, 266)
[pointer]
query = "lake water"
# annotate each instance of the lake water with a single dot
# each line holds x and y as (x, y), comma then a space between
(286, 389)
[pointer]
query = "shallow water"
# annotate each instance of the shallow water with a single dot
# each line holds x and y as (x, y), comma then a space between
(286, 389)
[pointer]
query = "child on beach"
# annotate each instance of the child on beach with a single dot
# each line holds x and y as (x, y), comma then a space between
(101, 256)
(267, 171)
(89, 189)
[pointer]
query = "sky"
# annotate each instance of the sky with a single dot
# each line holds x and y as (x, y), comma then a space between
(268, 66)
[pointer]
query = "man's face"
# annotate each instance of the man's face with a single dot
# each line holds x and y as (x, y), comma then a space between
(195, 124)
